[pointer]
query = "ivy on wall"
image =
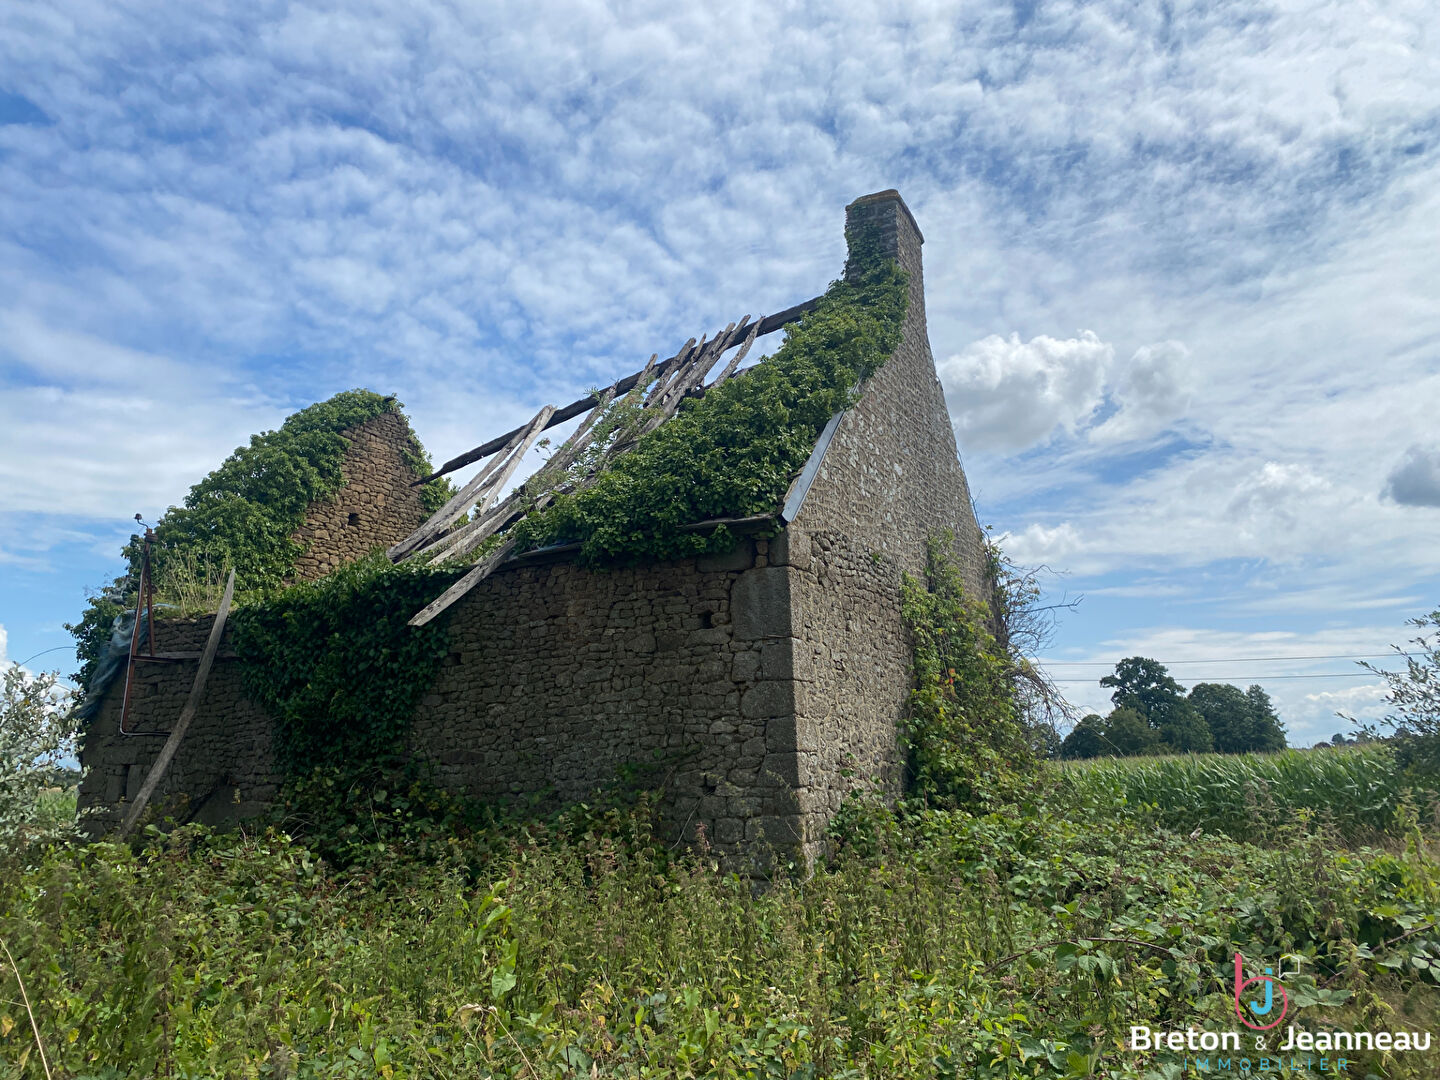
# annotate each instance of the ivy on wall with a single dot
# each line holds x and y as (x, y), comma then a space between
(734, 451)
(335, 663)
(244, 514)
(966, 746)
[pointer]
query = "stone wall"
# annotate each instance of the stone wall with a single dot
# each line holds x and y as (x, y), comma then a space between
(560, 678)
(759, 686)
(223, 769)
(377, 506)
(889, 479)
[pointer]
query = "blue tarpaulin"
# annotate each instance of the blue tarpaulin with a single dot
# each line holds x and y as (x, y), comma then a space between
(112, 661)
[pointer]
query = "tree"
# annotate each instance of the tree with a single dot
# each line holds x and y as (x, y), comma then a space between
(36, 734)
(1145, 685)
(1129, 732)
(1183, 730)
(1226, 712)
(1086, 740)
(1239, 722)
(1266, 731)
(1414, 698)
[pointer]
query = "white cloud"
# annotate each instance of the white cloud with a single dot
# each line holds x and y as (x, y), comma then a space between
(1415, 481)
(4, 645)
(1039, 544)
(1270, 497)
(1008, 394)
(1154, 388)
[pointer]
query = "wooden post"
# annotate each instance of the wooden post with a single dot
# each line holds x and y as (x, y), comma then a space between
(167, 752)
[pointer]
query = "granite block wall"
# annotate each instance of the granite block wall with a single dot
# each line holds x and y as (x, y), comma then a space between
(377, 506)
(759, 686)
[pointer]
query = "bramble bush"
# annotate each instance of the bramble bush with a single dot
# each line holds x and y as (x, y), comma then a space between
(1020, 944)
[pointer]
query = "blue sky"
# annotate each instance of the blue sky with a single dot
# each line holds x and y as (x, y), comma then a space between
(1181, 259)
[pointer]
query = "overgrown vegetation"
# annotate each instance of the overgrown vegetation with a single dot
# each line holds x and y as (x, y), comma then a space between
(244, 515)
(733, 452)
(1413, 725)
(337, 666)
(1021, 943)
(1357, 791)
(1019, 938)
(966, 746)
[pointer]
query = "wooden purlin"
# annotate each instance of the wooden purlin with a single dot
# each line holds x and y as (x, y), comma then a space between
(480, 572)
(740, 355)
(465, 538)
(701, 364)
(687, 370)
(473, 533)
(664, 381)
(769, 324)
(730, 336)
(478, 492)
(537, 425)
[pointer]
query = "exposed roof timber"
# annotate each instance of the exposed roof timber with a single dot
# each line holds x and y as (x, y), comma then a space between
(767, 325)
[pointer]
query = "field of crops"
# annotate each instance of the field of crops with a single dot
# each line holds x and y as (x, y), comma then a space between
(1356, 789)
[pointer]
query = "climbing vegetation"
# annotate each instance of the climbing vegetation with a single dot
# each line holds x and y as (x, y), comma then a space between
(733, 452)
(245, 513)
(966, 744)
(335, 664)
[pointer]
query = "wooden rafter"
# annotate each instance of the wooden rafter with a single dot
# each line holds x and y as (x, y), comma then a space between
(673, 380)
(768, 325)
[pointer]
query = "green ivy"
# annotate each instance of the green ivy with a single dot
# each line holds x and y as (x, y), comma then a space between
(336, 665)
(734, 451)
(966, 746)
(245, 513)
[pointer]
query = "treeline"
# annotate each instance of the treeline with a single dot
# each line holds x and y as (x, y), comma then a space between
(1153, 714)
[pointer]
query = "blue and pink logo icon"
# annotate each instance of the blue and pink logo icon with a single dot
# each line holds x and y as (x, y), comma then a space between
(1260, 1010)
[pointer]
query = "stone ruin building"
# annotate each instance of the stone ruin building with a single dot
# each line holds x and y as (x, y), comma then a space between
(773, 676)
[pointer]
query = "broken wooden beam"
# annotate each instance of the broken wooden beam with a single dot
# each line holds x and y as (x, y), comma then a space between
(767, 325)
(187, 714)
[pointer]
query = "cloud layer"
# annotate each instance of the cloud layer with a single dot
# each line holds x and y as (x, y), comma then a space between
(210, 219)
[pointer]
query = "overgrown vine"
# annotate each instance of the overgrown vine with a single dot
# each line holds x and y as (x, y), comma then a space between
(966, 744)
(336, 665)
(733, 452)
(245, 514)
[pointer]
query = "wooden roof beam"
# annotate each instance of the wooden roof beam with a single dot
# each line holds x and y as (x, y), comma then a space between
(767, 325)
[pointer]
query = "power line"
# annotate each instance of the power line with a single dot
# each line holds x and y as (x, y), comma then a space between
(1233, 659)
(1251, 676)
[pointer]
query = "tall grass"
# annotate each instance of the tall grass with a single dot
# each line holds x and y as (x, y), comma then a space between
(978, 947)
(1358, 789)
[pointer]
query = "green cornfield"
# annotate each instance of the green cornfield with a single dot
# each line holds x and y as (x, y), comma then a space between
(1357, 789)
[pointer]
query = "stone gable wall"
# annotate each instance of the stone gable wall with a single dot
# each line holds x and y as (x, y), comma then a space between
(759, 687)
(890, 478)
(377, 506)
